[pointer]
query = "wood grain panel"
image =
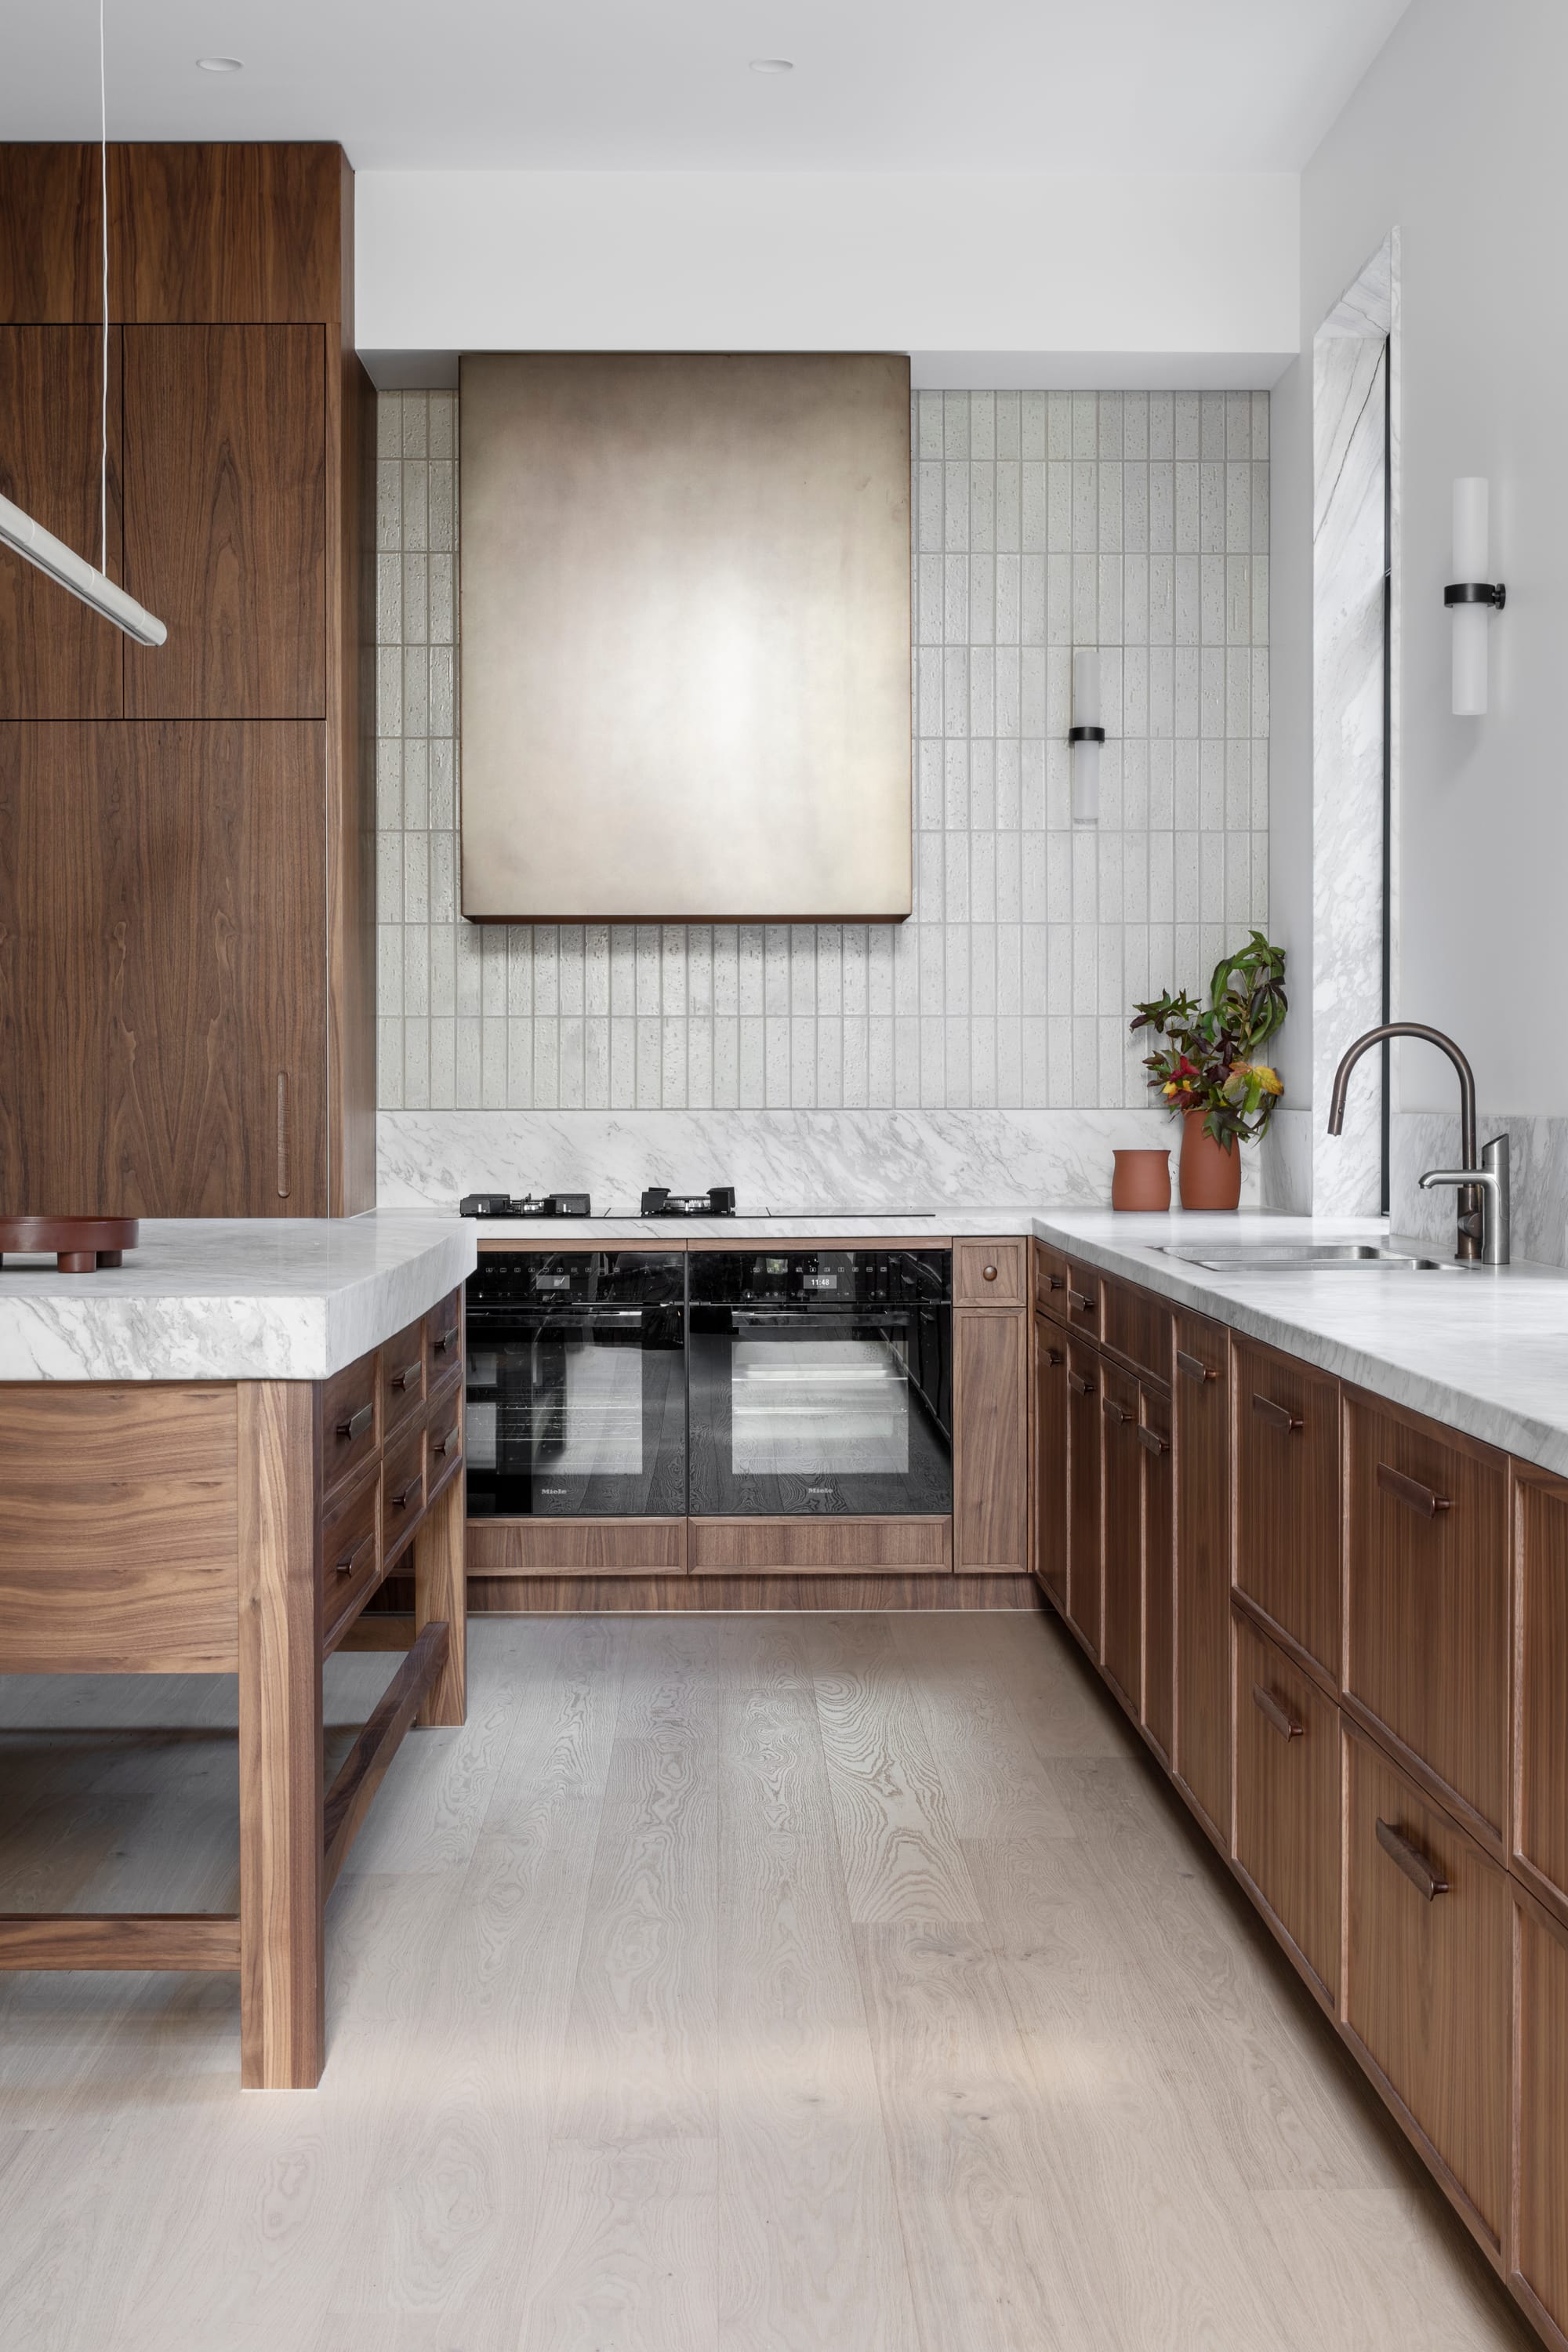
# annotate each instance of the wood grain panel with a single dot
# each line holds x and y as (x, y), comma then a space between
(1427, 1600)
(1051, 1458)
(1288, 1801)
(351, 776)
(282, 2013)
(818, 1547)
(1540, 2115)
(225, 437)
(991, 1448)
(1050, 1282)
(351, 1555)
(1136, 1325)
(118, 1528)
(1540, 1679)
(1426, 1989)
(119, 1939)
(1201, 1401)
(233, 232)
(440, 1598)
(57, 660)
(1085, 1450)
(576, 1546)
(1083, 1285)
(1288, 1499)
(571, 1594)
(364, 1767)
(990, 1273)
(1121, 1624)
(51, 217)
(1159, 1572)
(150, 941)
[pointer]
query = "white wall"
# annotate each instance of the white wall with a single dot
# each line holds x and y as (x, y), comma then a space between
(1455, 138)
(1105, 279)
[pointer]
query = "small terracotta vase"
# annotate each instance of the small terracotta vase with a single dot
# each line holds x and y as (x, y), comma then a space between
(1141, 1179)
(1211, 1176)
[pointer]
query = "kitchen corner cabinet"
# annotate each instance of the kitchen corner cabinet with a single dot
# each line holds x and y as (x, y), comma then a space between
(189, 1005)
(991, 1407)
(1344, 1629)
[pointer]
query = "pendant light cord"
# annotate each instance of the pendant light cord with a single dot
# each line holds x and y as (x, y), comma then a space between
(103, 406)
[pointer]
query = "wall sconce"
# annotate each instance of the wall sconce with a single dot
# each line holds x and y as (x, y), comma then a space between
(1086, 735)
(1471, 595)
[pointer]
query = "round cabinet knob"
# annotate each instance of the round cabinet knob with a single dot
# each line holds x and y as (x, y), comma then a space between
(990, 1274)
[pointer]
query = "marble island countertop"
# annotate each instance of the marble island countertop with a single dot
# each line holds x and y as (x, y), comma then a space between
(231, 1298)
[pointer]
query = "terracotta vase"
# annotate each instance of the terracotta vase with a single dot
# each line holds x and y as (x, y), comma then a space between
(1211, 1176)
(1141, 1179)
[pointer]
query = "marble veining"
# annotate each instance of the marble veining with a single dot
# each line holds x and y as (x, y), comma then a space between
(222, 1299)
(1483, 1349)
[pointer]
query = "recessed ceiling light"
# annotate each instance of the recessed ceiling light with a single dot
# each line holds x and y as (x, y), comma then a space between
(221, 65)
(773, 65)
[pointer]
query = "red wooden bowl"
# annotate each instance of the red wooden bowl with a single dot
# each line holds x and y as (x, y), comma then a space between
(81, 1244)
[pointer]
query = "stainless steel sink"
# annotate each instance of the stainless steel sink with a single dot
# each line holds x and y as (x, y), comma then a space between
(1303, 1257)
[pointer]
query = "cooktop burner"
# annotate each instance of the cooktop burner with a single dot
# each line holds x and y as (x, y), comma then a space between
(719, 1200)
(544, 1204)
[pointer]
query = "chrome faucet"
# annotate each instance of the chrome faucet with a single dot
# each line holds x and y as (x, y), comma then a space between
(1481, 1182)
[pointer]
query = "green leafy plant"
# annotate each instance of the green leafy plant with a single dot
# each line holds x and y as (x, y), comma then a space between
(1211, 1063)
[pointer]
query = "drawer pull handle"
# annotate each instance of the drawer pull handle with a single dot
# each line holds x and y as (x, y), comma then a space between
(408, 1375)
(1270, 1708)
(1275, 1414)
(444, 1340)
(1053, 1356)
(1114, 1412)
(447, 1442)
(404, 1497)
(1409, 1858)
(1194, 1367)
(1151, 1441)
(1079, 1385)
(1053, 1281)
(347, 1567)
(357, 1422)
(1081, 1301)
(1412, 1493)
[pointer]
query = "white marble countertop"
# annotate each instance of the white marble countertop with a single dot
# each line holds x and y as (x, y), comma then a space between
(222, 1299)
(1483, 1349)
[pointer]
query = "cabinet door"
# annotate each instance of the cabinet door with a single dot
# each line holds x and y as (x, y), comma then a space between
(1201, 1400)
(1427, 1599)
(1122, 1634)
(1051, 1459)
(163, 1020)
(1288, 1800)
(1540, 2112)
(57, 660)
(1159, 1571)
(991, 1466)
(1084, 1426)
(990, 1274)
(1427, 1966)
(226, 521)
(1540, 1831)
(1288, 1499)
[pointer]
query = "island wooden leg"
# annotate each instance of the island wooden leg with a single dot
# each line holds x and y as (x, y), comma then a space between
(282, 2016)
(440, 1593)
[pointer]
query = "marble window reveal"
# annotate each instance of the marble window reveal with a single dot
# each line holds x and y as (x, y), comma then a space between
(1136, 521)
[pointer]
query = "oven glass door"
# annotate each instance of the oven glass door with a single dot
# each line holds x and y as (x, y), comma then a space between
(810, 1405)
(576, 1412)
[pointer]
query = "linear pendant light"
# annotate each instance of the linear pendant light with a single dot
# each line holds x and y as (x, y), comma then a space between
(29, 538)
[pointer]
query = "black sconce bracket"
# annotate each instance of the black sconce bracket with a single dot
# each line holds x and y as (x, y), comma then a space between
(1477, 592)
(1086, 734)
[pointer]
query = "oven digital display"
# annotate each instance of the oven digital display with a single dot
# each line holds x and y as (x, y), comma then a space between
(820, 1281)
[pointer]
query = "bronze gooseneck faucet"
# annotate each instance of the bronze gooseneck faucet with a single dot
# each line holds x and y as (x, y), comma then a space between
(1481, 1185)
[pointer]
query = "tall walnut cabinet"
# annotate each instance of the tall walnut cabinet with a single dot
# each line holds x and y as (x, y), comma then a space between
(187, 883)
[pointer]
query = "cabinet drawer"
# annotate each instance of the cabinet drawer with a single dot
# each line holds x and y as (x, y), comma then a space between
(1288, 1798)
(401, 1378)
(989, 1274)
(1085, 1424)
(1201, 1400)
(351, 1555)
(444, 1443)
(1083, 1299)
(1135, 1325)
(1155, 1439)
(1542, 2110)
(1428, 1955)
(1121, 1629)
(1426, 1611)
(1287, 1497)
(402, 1490)
(349, 1436)
(1051, 1458)
(1541, 1831)
(443, 1339)
(1051, 1281)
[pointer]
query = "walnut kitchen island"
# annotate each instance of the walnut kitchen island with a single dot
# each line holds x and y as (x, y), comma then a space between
(210, 1458)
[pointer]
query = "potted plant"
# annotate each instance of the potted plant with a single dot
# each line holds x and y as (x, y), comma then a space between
(1209, 1072)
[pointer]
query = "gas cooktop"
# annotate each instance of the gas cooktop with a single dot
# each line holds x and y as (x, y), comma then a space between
(658, 1201)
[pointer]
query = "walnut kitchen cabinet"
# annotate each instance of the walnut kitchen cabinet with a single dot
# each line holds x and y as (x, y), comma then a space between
(1200, 1446)
(1156, 1442)
(1121, 1619)
(1288, 1801)
(1085, 1551)
(1539, 2266)
(991, 1362)
(1539, 1849)
(57, 660)
(1051, 1458)
(1287, 1502)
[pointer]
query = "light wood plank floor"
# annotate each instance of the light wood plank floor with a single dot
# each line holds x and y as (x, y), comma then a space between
(767, 1984)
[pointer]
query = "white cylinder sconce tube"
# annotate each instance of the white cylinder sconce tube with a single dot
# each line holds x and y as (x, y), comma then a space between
(1470, 596)
(1086, 735)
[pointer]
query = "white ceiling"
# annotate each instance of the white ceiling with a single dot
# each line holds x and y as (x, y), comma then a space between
(651, 84)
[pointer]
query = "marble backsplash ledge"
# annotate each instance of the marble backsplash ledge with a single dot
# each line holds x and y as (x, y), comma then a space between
(807, 1161)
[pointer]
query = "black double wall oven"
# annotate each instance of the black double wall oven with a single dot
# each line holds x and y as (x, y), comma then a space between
(771, 1383)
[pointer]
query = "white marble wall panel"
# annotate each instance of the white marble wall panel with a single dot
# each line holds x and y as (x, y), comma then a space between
(1138, 521)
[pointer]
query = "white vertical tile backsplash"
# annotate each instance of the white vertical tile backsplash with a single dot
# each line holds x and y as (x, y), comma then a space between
(1138, 521)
